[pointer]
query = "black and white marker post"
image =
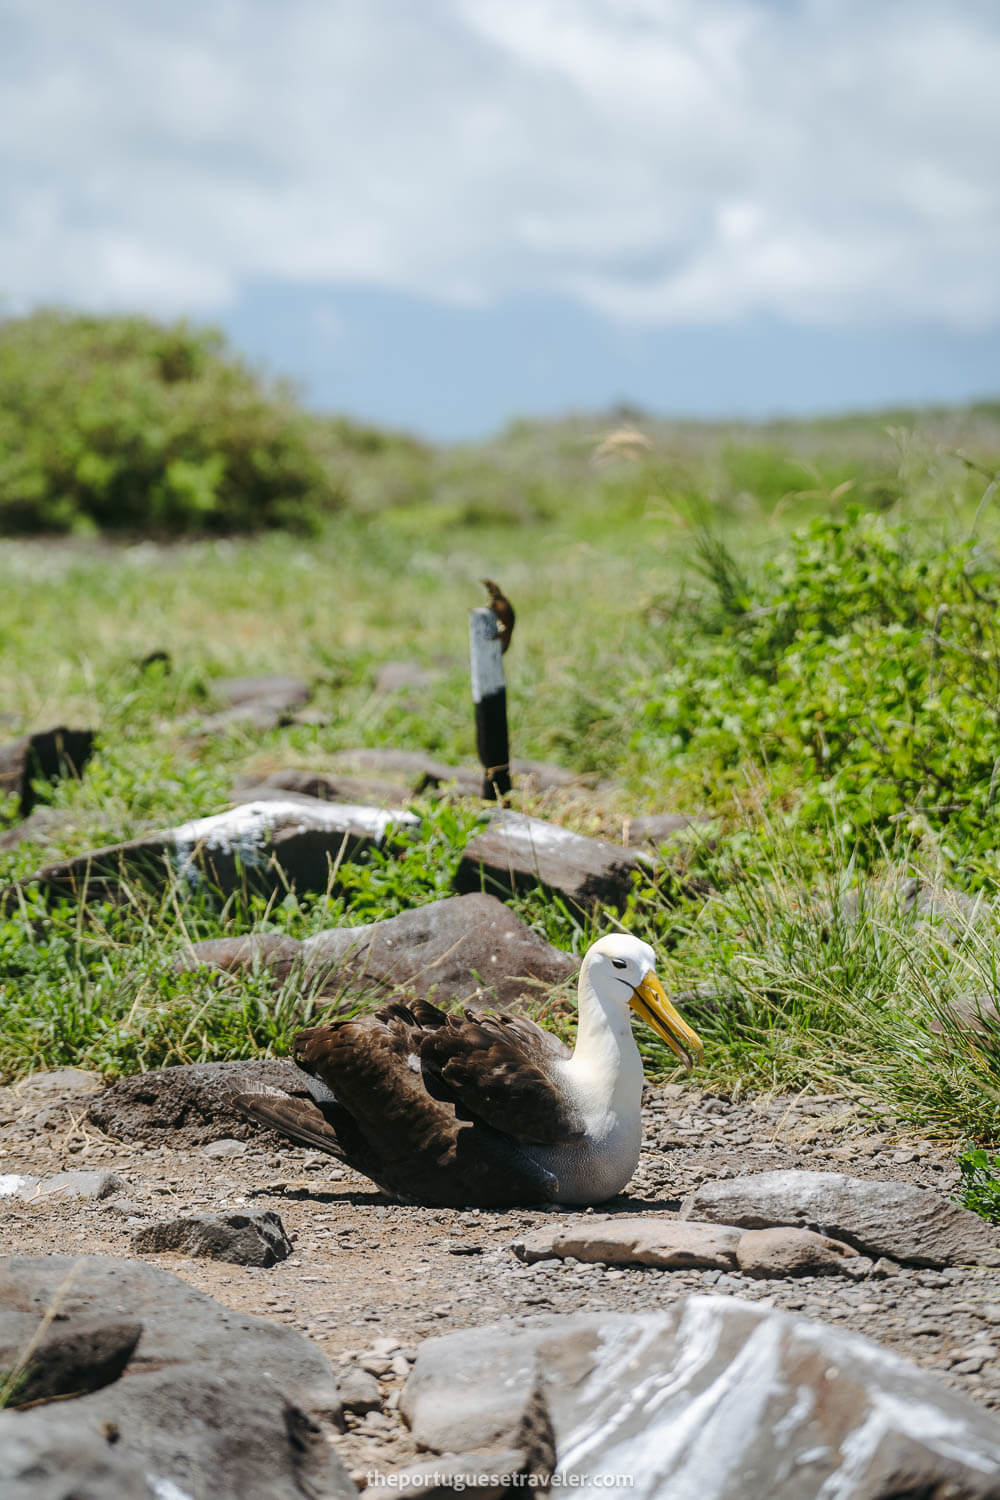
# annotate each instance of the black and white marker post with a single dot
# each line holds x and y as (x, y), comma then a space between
(489, 694)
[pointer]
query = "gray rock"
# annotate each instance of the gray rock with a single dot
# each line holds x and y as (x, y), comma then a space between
(48, 1098)
(620, 1241)
(259, 703)
(421, 771)
(358, 1391)
(713, 1399)
(289, 692)
(192, 1105)
(908, 1224)
(214, 1402)
(270, 951)
(48, 755)
(255, 1237)
(327, 786)
(62, 1458)
(267, 845)
(224, 1147)
(66, 1185)
(797, 1252)
(464, 948)
(516, 853)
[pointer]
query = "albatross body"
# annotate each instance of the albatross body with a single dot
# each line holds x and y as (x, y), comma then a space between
(482, 1110)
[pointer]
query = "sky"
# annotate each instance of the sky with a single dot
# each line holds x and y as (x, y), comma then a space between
(441, 214)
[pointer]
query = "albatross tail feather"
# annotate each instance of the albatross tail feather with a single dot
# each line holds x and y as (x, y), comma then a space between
(300, 1119)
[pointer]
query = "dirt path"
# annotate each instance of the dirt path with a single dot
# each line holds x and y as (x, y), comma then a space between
(367, 1274)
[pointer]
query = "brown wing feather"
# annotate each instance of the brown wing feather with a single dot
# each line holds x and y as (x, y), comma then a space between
(499, 1072)
(300, 1119)
(420, 1148)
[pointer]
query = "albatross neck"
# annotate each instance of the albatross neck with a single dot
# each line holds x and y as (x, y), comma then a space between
(605, 1061)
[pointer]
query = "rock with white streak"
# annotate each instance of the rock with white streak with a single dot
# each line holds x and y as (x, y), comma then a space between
(269, 845)
(61, 1187)
(712, 1399)
(908, 1224)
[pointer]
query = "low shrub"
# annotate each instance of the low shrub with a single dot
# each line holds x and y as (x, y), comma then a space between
(127, 424)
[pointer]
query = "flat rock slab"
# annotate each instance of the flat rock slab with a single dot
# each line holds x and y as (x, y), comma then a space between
(907, 1224)
(665, 1243)
(259, 703)
(268, 845)
(517, 853)
(61, 1187)
(253, 1238)
(464, 949)
(713, 1399)
(192, 1105)
(212, 1402)
(680, 1245)
(423, 772)
(47, 756)
(326, 786)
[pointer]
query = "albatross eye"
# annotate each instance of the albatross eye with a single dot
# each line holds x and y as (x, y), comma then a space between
(619, 963)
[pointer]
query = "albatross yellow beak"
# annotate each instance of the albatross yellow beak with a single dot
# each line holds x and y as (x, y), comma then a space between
(650, 1002)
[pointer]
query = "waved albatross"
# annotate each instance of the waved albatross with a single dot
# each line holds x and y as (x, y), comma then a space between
(486, 1110)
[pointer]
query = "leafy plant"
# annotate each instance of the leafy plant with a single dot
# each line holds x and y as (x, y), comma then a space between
(864, 668)
(116, 423)
(979, 1187)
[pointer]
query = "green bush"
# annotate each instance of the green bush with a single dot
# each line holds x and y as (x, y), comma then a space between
(124, 423)
(863, 670)
(979, 1187)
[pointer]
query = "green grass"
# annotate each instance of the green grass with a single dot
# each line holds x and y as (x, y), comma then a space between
(660, 601)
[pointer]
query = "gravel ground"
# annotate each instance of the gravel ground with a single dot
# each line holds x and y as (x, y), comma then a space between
(369, 1279)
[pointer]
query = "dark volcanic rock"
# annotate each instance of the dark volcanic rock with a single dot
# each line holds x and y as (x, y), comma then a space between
(908, 1224)
(260, 703)
(464, 948)
(517, 853)
(327, 786)
(417, 768)
(253, 1238)
(49, 755)
(213, 1402)
(268, 845)
(713, 1398)
(189, 1106)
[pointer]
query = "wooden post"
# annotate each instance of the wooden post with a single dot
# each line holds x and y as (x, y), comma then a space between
(489, 694)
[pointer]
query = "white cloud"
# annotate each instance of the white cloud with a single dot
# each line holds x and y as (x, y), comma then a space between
(662, 160)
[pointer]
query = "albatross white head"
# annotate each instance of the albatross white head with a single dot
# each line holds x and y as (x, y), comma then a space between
(617, 976)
